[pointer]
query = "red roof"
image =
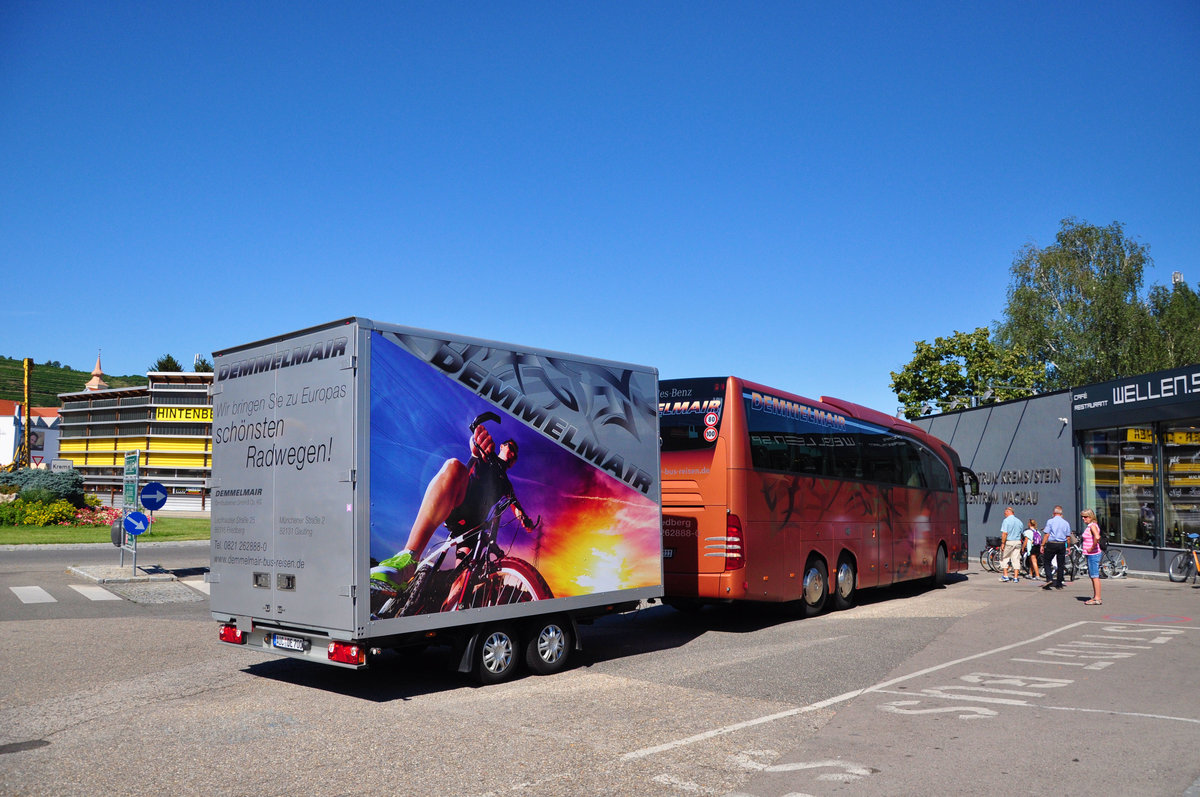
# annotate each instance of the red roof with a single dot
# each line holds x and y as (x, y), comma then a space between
(13, 408)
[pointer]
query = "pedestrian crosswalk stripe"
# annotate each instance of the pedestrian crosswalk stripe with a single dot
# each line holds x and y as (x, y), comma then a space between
(94, 593)
(33, 595)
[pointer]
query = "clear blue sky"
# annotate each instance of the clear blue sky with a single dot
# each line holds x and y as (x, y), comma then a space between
(792, 192)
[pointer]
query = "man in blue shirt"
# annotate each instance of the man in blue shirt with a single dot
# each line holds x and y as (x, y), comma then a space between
(1010, 545)
(1054, 544)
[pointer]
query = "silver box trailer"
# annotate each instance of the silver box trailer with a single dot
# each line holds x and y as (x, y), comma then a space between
(376, 486)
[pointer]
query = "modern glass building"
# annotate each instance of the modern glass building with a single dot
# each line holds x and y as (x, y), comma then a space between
(168, 422)
(1138, 442)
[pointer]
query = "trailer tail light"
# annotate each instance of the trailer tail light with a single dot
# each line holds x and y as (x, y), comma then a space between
(347, 653)
(231, 634)
(734, 544)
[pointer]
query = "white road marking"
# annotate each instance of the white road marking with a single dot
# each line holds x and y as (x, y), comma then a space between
(94, 593)
(33, 595)
(700, 737)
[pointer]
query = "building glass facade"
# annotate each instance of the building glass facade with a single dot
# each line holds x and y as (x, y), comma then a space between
(1139, 456)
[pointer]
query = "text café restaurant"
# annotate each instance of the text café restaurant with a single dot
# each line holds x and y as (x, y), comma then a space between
(1130, 449)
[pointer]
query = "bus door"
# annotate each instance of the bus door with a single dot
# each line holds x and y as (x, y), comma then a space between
(896, 535)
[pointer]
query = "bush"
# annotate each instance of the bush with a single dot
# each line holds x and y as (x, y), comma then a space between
(12, 513)
(26, 513)
(67, 486)
(37, 495)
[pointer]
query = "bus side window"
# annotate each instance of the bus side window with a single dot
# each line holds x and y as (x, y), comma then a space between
(911, 467)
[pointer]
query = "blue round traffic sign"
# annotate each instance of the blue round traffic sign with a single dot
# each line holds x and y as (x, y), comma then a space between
(136, 523)
(154, 495)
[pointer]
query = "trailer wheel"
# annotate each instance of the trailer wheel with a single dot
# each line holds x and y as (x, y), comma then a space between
(845, 590)
(496, 655)
(548, 649)
(816, 587)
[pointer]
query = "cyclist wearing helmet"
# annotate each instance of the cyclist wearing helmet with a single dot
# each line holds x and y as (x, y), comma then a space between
(460, 495)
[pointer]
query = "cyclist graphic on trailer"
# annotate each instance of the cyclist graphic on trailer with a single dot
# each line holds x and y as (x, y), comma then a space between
(460, 496)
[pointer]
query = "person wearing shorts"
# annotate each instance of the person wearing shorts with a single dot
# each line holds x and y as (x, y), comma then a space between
(1011, 543)
(1033, 539)
(1090, 540)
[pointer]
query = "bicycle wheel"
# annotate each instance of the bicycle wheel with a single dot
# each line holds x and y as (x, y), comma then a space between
(994, 560)
(1181, 567)
(983, 560)
(1112, 564)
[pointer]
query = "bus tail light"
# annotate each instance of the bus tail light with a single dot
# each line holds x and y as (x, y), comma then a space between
(231, 634)
(347, 653)
(734, 544)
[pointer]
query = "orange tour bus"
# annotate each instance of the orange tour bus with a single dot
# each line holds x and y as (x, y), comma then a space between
(768, 496)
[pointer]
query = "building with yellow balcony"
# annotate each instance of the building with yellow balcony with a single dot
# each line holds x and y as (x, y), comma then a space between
(168, 422)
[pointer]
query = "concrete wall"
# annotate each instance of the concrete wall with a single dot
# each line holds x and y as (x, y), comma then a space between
(1023, 454)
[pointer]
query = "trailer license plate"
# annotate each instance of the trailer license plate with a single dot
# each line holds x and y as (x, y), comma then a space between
(668, 553)
(289, 642)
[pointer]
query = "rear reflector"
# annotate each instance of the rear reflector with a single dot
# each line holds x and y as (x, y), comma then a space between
(231, 634)
(347, 653)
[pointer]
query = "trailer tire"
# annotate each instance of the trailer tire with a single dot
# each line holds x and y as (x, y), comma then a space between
(549, 646)
(496, 655)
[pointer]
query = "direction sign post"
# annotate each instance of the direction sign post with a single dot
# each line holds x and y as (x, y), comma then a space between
(129, 541)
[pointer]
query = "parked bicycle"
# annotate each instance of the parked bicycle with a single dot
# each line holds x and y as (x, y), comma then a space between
(1112, 563)
(989, 557)
(1186, 563)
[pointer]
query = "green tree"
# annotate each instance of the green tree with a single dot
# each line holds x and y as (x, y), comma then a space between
(1176, 314)
(202, 365)
(962, 370)
(166, 363)
(1075, 308)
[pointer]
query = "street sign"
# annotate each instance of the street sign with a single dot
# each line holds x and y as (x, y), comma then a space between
(131, 479)
(154, 495)
(136, 523)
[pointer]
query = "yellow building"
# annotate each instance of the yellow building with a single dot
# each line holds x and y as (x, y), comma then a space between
(168, 422)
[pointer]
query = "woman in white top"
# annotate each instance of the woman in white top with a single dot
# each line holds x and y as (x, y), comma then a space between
(1032, 541)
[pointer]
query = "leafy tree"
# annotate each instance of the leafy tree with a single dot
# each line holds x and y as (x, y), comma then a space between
(202, 365)
(166, 363)
(964, 369)
(1176, 313)
(1075, 309)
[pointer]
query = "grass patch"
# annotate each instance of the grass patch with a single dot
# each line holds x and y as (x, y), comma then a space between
(165, 529)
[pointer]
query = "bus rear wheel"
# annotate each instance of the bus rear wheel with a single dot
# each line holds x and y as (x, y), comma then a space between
(845, 591)
(939, 567)
(816, 587)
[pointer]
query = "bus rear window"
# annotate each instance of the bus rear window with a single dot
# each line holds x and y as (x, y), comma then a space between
(689, 413)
